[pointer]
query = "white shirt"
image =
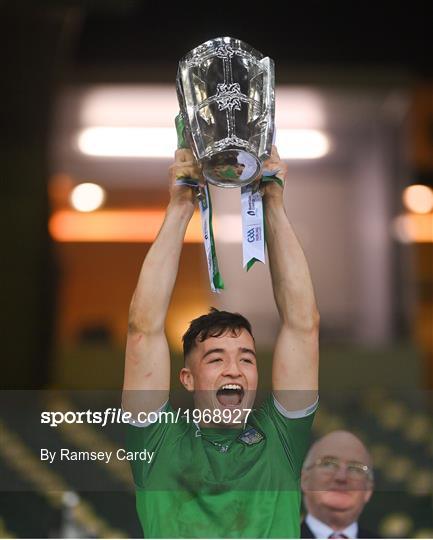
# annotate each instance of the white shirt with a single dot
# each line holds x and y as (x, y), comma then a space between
(321, 530)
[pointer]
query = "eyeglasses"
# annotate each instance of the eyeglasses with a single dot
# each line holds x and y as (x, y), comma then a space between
(355, 470)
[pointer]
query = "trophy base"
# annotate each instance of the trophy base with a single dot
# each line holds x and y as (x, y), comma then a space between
(232, 168)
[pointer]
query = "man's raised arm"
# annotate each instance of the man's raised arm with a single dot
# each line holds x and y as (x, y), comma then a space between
(147, 360)
(296, 355)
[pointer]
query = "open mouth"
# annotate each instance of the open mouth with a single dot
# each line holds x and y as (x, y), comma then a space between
(230, 395)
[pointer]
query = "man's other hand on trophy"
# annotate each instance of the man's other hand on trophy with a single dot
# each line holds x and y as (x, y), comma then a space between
(272, 190)
(184, 170)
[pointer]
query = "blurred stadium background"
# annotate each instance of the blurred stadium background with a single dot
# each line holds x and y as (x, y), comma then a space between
(359, 80)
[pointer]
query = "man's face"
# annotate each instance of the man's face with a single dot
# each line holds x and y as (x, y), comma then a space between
(222, 373)
(334, 491)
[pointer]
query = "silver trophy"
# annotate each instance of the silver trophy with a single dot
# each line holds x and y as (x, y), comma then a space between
(226, 95)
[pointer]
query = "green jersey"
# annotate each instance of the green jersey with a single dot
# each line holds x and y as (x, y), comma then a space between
(222, 483)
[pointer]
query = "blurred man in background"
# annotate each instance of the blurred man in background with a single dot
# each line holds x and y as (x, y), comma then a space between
(337, 482)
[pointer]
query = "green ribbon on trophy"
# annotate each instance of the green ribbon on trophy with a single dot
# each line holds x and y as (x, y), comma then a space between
(205, 205)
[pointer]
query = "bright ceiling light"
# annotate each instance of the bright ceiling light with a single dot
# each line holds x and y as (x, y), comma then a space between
(87, 197)
(141, 142)
(155, 105)
(115, 226)
(418, 198)
(301, 143)
(297, 107)
(137, 121)
(408, 228)
(128, 142)
(140, 105)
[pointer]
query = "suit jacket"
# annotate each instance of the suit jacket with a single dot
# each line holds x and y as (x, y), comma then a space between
(362, 533)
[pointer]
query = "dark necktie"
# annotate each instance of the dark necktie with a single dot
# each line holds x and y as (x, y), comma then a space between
(337, 535)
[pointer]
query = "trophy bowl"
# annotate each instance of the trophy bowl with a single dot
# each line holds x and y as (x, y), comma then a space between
(226, 96)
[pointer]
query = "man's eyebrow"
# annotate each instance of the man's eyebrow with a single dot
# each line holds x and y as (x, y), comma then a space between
(344, 460)
(222, 351)
(246, 350)
(210, 351)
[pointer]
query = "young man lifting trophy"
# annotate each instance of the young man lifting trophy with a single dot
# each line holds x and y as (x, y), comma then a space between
(226, 470)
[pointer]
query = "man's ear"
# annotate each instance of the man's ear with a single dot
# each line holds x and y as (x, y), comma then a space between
(187, 379)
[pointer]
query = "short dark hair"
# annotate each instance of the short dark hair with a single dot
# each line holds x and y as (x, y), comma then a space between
(213, 324)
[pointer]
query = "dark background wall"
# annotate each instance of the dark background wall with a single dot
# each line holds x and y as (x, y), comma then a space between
(53, 43)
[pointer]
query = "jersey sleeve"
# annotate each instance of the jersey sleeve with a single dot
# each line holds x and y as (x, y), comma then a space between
(148, 436)
(293, 428)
